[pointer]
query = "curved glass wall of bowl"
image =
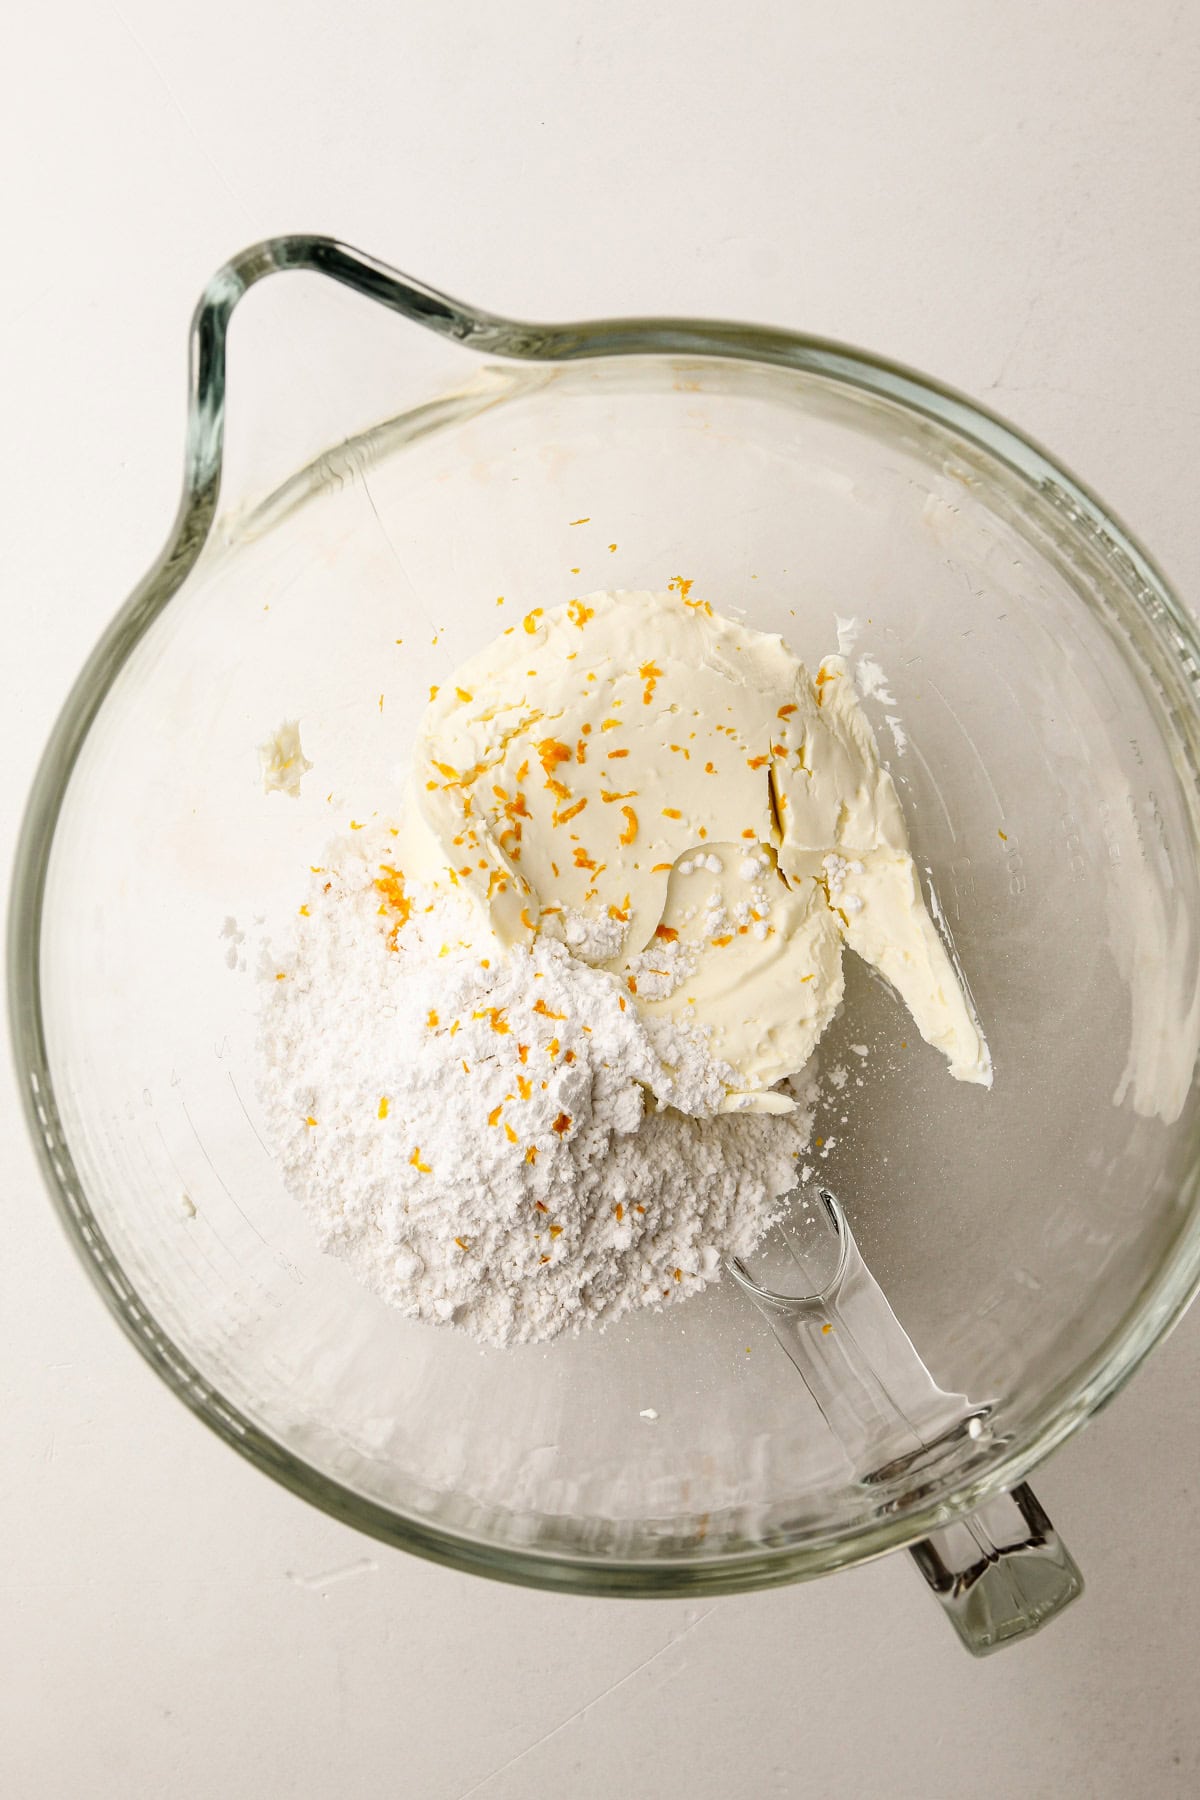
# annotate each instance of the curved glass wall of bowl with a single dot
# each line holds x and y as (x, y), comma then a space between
(369, 465)
(1000, 1572)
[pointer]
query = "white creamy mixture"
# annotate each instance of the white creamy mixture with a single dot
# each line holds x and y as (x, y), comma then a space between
(511, 1056)
(679, 799)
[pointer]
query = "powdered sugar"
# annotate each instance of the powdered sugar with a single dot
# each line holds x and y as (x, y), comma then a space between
(498, 1139)
(871, 681)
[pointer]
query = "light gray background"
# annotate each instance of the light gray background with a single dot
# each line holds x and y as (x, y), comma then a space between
(1005, 195)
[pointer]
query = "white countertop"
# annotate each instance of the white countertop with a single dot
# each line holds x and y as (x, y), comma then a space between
(1002, 195)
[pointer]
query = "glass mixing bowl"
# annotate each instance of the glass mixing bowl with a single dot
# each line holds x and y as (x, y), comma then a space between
(386, 465)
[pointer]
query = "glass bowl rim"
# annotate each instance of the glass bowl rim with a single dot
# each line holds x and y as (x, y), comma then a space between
(1155, 1309)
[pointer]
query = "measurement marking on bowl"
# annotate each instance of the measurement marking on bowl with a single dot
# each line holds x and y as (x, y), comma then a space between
(237, 1207)
(250, 1122)
(973, 747)
(936, 791)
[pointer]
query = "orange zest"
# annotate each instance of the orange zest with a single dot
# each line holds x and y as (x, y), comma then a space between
(390, 883)
(651, 674)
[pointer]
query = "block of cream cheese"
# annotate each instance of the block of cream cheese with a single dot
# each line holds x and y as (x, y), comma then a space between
(679, 800)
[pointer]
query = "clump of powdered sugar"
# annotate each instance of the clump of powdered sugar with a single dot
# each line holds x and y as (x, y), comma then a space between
(871, 681)
(497, 1139)
(672, 959)
(593, 940)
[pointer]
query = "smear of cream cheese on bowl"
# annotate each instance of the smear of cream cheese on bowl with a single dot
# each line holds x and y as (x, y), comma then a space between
(677, 797)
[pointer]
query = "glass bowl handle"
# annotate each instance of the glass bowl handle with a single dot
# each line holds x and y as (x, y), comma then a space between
(999, 1572)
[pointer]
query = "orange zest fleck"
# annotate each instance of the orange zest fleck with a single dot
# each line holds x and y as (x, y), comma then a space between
(562, 1124)
(461, 1242)
(579, 613)
(433, 694)
(531, 1157)
(500, 1024)
(725, 938)
(651, 674)
(524, 1086)
(572, 812)
(539, 1006)
(494, 1115)
(464, 695)
(509, 1133)
(551, 751)
(667, 933)
(620, 1211)
(749, 834)
(431, 1019)
(657, 868)
(523, 1053)
(671, 812)
(584, 521)
(383, 1106)
(310, 1120)
(390, 883)
(531, 618)
(415, 1161)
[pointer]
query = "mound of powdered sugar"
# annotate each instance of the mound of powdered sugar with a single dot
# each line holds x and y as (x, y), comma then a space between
(499, 1141)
